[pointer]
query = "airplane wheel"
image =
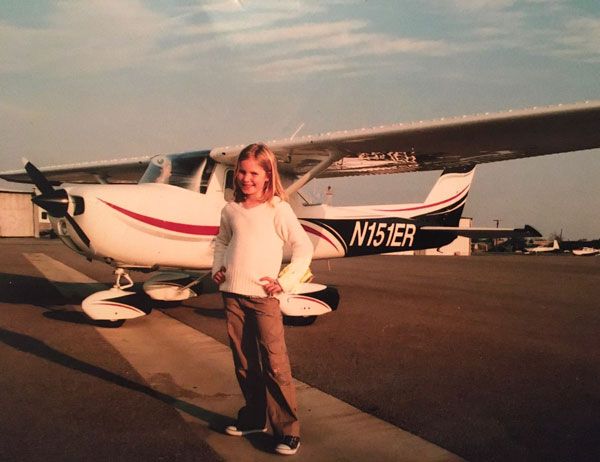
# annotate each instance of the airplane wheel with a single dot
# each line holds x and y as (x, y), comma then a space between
(299, 320)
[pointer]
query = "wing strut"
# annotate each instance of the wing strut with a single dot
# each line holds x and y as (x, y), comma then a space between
(313, 172)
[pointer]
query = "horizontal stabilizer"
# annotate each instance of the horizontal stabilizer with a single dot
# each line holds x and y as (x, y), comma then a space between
(526, 231)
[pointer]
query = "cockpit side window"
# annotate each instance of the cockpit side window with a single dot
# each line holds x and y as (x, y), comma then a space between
(190, 170)
(156, 172)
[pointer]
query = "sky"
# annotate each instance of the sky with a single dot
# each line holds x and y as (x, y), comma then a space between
(104, 79)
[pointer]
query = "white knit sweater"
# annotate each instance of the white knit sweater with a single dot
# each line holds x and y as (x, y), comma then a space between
(250, 245)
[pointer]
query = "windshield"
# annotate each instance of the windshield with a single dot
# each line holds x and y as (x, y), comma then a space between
(188, 170)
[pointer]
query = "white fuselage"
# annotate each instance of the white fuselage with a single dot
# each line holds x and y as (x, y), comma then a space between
(542, 249)
(160, 226)
(586, 252)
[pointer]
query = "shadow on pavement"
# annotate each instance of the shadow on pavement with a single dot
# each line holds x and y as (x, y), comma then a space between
(39, 292)
(31, 345)
(77, 317)
(210, 313)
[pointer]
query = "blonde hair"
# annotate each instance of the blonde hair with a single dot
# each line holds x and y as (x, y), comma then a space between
(267, 161)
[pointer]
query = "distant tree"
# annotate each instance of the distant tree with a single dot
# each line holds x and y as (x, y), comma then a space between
(555, 235)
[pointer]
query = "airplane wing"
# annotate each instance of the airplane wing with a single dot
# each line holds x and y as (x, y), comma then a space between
(438, 144)
(120, 171)
(418, 146)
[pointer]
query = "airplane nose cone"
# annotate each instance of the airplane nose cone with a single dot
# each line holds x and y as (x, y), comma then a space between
(56, 202)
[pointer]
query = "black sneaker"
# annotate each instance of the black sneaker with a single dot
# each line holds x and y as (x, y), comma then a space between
(288, 445)
(235, 430)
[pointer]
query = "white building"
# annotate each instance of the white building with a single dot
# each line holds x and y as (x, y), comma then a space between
(460, 246)
(19, 217)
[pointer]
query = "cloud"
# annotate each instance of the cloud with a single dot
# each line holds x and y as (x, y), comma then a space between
(323, 30)
(580, 39)
(103, 35)
(221, 17)
(349, 37)
(298, 7)
(18, 113)
(474, 5)
(300, 67)
(99, 36)
(316, 47)
(83, 37)
(537, 27)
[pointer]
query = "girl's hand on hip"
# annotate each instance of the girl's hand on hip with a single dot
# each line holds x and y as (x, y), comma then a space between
(219, 276)
(271, 286)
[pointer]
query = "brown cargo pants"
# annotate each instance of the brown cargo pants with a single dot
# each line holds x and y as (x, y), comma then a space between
(262, 366)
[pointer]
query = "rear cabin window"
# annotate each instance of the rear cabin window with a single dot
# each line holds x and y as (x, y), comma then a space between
(228, 191)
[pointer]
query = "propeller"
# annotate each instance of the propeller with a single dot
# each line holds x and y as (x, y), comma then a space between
(54, 201)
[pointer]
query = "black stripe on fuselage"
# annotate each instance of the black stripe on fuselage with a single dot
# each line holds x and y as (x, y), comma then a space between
(368, 236)
(446, 216)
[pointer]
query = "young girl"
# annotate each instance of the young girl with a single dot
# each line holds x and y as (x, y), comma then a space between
(248, 256)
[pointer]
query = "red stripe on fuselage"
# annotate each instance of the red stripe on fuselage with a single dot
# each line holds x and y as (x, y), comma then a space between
(169, 225)
(317, 233)
(426, 205)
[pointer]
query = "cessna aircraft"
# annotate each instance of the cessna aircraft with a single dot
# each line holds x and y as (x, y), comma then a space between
(586, 252)
(162, 213)
(544, 249)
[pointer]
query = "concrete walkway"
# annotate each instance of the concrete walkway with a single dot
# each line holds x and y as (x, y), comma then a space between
(194, 372)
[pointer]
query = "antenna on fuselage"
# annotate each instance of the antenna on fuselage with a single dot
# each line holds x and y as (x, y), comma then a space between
(297, 130)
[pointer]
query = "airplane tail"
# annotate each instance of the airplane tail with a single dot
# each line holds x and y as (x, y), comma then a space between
(555, 245)
(446, 200)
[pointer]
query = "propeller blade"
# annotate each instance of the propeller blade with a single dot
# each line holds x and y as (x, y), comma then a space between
(78, 230)
(55, 202)
(38, 178)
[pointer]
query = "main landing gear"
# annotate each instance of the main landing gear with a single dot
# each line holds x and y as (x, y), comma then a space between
(310, 301)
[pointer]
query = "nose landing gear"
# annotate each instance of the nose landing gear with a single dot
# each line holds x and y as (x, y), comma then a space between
(116, 304)
(120, 273)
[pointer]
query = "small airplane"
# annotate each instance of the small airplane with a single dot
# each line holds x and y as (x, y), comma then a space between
(586, 252)
(161, 214)
(544, 249)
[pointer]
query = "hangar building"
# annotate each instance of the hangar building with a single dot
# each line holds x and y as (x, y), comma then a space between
(19, 217)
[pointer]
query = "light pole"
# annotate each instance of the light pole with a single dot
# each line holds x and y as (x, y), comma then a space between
(497, 220)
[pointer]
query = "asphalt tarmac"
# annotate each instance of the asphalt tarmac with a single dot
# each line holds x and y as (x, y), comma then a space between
(492, 358)
(495, 358)
(65, 394)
